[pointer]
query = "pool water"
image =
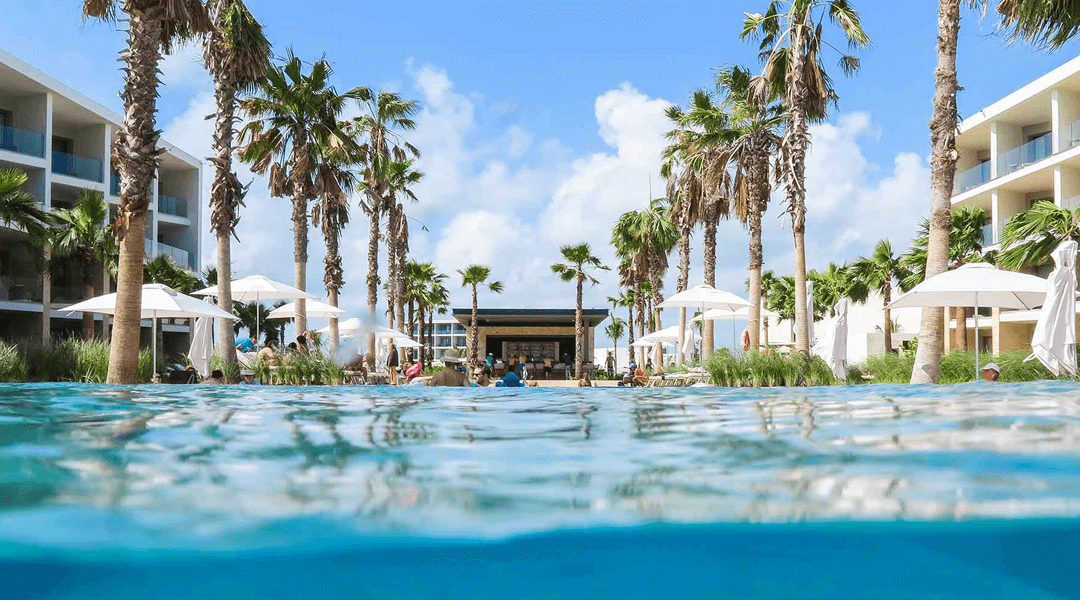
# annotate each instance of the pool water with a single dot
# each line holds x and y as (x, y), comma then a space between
(969, 491)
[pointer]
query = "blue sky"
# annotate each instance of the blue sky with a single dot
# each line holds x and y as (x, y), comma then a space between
(543, 120)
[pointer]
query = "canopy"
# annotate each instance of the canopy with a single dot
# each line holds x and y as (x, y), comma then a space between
(1054, 341)
(976, 284)
(256, 288)
(832, 347)
(705, 296)
(202, 346)
(314, 309)
(158, 302)
(719, 314)
(354, 326)
(671, 334)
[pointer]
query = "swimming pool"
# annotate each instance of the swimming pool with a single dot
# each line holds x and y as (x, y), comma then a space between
(864, 491)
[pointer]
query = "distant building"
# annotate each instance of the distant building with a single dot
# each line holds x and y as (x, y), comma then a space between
(62, 140)
(537, 334)
(448, 334)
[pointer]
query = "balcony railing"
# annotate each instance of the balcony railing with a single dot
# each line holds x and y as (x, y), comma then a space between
(988, 235)
(179, 256)
(1070, 137)
(971, 178)
(172, 205)
(1027, 154)
(114, 184)
(30, 143)
(81, 167)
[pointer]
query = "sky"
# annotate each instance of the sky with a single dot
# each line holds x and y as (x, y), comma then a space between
(543, 121)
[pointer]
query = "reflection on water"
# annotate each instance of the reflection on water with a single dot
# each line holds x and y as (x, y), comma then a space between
(490, 462)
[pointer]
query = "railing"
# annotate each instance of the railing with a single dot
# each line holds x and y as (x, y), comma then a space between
(81, 167)
(30, 143)
(988, 235)
(179, 256)
(171, 205)
(1022, 156)
(149, 248)
(971, 178)
(1071, 136)
(114, 184)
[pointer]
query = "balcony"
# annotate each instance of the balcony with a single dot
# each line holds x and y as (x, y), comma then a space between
(179, 256)
(172, 205)
(1027, 154)
(30, 143)
(1071, 136)
(971, 178)
(80, 167)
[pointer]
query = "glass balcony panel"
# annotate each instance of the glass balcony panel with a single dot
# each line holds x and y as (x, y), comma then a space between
(1027, 154)
(114, 184)
(172, 205)
(971, 178)
(80, 167)
(442, 329)
(1071, 137)
(30, 143)
(988, 235)
(179, 256)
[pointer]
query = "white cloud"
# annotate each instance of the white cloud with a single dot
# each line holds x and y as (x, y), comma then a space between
(184, 67)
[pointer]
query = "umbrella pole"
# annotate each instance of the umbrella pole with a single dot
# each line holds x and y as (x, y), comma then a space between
(258, 312)
(153, 341)
(976, 336)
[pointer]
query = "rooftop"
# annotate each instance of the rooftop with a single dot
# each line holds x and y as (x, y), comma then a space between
(524, 317)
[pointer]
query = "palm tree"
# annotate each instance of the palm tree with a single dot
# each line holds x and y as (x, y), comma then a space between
(835, 283)
(19, 208)
(781, 298)
(578, 258)
(768, 280)
(880, 271)
(386, 160)
(291, 114)
(474, 276)
(615, 330)
(792, 38)
(437, 300)
(163, 270)
(237, 55)
(1046, 24)
(420, 281)
(1031, 236)
(82, 232)
(626, 299)
(153, 27)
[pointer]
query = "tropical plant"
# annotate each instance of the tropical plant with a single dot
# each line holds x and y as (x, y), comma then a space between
(615, 330)
(474, 276)
(833, 284)
(291, 115)
(579, 259)
(82, 233)
(19, 208)
(153, 28)
(626, 299)
(1031, 236)
(792, 38)
(768, 280)
(879, 272)
(237, 55)
(163, 270)
(252, 316)
(423, 288)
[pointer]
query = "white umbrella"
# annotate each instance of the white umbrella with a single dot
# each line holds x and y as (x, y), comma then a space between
(256, 288)
(976, 284)
(720, 314)
(832, 346)
(314, 309)
(202, 345)
(671, 334)
(354, 326)
(705, 296)
(1054, 341)
(158, 302)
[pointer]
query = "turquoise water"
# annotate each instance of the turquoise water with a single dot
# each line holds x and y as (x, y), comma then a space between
(968, 491)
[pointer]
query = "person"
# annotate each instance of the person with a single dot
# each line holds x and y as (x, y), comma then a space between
(991, 372)
(547, 367)
(490, 360)
(585, 381)
(511, 379)
(483, 376)
(216, 378)
(301, 344)
(640, 378)
(244, 344)
(413, 371)
(451, 376)
(268, 354)
(610, 364)
(648, 364)
(247, 377)
(745, 340)
(532, 382)
(392, 363)
(309, 336)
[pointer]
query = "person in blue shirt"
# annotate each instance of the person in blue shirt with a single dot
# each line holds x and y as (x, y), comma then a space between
(491, 360)
(245, 344)
(511, 378)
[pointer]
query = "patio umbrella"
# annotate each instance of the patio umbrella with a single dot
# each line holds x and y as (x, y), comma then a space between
(1054, 341)
(256, 288)
(158, 302)
(314, 309)
(354, 326)
(705, 296)
(671, 334)
(202, 345)
(832, 347)
(976, 284)
(720, 314)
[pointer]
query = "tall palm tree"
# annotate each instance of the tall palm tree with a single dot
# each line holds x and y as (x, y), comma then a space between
(835, 283)
(579, 259)
(792, 40)
(437, 300)
(153, 27)
(1046, 24)
(82, 232)
(237, 55)
(474, 276)
(291, 113)
(768, 280)
(615, 330)
(879, 272)
(420, 278)
(387, 161)
(626, 299)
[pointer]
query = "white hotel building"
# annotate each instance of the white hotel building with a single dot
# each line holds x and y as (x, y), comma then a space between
(61, 139)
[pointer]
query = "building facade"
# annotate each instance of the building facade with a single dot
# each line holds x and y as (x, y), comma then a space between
(62, 140)
(537, 334)
(1019, 150)
(449, 333)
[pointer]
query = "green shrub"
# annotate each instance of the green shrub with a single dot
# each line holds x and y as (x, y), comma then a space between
(957, 367)
(13, 368)
(774, 370)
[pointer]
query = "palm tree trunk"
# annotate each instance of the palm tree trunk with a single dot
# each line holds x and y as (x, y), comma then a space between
(658, 349)
(473, 337)
(88, 291)
(373, 272)
(796, 142)
(682, 285)
(223, 208)
(961, 328)
(579, 330)
(431, 334)
(412, 317)
(402, 257)
(137, 143)
(630, 331)
(753, 325)
(639, 301)
(127, 328)
(333, 279)
(942, 170)
(887, 330)
(300, 258)
(710, 278)
(225, 331)
(391, 266)
(765, 333)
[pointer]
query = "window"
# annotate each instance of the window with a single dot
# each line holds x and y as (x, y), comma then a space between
(459, 329)
(64, 145)
(442, 342)
(5, 118)
(442, 328)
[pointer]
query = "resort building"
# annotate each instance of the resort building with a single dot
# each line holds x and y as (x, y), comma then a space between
(537, 334)
(1019, 150)
(449, 334)
(61, 140)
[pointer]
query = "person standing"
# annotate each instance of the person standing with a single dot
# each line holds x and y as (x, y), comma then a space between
(392, 363)
(610, 364)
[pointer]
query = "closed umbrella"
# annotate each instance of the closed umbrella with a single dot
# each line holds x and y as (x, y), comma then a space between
(976, 284)
(158, 302)
(256, 288)
(1054, 341)
(688, 341)
(202, 345)
(832, 347)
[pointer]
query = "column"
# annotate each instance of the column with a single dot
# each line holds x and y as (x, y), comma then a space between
(1066, 187)
(46, 198)
(1064, 110)
(995, 315)
(946, 337)
(1003, 137)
